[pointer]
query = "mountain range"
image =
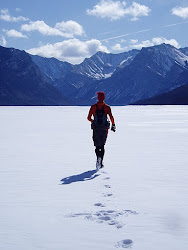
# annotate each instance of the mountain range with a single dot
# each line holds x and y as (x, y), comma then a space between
(152, 75)
(22, 83)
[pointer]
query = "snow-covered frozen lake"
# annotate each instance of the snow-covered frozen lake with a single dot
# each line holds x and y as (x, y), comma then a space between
(52, 198)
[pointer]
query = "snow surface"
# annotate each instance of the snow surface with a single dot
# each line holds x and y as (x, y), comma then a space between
(52, 198)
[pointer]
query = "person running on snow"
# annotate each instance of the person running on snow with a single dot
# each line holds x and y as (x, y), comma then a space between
(100, 125)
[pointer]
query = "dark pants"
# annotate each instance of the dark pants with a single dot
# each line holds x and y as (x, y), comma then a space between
(99, 139)
(99, 151)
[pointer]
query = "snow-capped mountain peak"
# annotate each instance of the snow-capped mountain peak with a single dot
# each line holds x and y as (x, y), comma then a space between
(102, 65)
(162, 58)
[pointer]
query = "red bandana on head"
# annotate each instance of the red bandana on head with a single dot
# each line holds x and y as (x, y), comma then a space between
(101, 96)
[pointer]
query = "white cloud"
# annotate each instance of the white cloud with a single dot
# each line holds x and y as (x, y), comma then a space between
(70, 27)
(145, 43)
(181, 12)
(64, 29)
(122, 40)
(137, 10)
(14, 33)
(109, 9)
(4, 15)
(3, 41)
(133, 41)
(116, 10)
(155, 41)
(43, 28)
(118, 47)
(18, 9)
(72, 50)
(160, 40)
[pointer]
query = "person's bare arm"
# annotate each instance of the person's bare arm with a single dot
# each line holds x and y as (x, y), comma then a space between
(89, 117)
(111, 116)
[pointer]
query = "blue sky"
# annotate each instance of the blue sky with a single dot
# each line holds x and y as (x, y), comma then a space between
(71, 30)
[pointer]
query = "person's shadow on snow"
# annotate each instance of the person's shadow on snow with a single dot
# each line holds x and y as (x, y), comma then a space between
(86, 176)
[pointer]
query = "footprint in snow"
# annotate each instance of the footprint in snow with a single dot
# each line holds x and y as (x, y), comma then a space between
(108, 217)
(99, 205)
(107, 178)
(107, 186)
(108, 195)
(124, 243)
(103, 172)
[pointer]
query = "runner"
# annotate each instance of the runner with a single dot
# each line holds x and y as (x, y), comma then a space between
(98, 116)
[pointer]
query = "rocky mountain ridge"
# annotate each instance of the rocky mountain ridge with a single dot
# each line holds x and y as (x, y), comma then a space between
(21, 82)
(126, 78)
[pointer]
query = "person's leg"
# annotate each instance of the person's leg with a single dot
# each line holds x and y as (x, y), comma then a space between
(97, 151)
(99, 138)
(102, 151)
(97, 143)
(103, 141)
